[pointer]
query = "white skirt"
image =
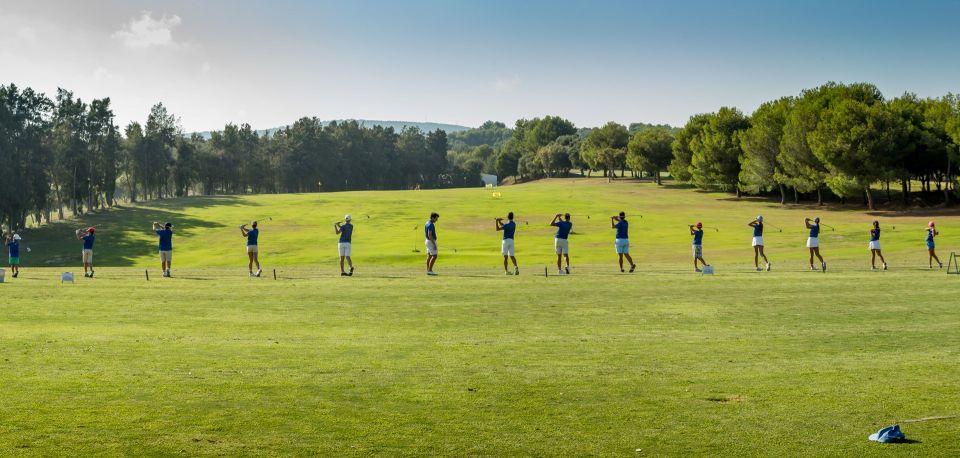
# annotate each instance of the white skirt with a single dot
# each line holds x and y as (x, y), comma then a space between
(813, 242)
(757, 241)
(874, 244)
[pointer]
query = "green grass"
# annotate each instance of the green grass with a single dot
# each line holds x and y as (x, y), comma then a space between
(391, 362)
(301, 233)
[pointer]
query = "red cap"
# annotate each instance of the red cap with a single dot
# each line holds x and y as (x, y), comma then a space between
(91, 230)
(930, 224)
(699, 224)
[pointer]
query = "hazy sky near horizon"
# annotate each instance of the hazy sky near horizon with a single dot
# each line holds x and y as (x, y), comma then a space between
(463, 62)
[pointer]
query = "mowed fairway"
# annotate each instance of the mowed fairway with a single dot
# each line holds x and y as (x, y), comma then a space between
(391, 362)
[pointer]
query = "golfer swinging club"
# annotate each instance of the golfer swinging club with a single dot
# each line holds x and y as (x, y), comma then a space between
(813, 242)
(507, 247)
(430, 232)
(560, 242)
(696, 230)
(757, 226)
(875, 247)
(343, 246)
(13, 252)
(622, 242)
(253, 250)
(165, 233)
(88, 239)
(931, 247)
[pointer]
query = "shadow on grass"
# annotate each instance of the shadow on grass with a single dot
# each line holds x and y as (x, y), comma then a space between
(120, 235)
(183, 203)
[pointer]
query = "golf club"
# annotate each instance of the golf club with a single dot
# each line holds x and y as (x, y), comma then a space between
(777, 228)
(828, 226)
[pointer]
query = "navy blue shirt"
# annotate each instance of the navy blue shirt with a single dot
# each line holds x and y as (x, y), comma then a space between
(815, 230)
(563, 229)
(622, 229)
(930, 235)
(875, 235)
(509, 228)
(166, 239)
(88, 241)
(252, 236)
(758, 230)
(14, 247)
(698, 237)
(430, 229)
(346, 232)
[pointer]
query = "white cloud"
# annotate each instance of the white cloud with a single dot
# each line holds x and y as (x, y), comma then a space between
(507, 84)
(205, 68)
(146, 31)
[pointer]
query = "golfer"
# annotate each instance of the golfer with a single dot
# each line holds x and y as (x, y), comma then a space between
(622, 242)
(696, 230)
(813, 242)
(345, 231)
(507, 247)
(88, 237)
(560, 242)
(165, 233)
(875, 247)
(13, 252)
(253, 250)
(430, 232)
(757, 243)
(931, 247)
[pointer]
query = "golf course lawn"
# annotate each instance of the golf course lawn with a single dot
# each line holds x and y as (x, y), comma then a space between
(472, 362)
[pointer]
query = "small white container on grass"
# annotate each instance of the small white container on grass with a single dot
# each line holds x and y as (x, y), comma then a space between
(2, 273)
(708, 270)
(66, 277)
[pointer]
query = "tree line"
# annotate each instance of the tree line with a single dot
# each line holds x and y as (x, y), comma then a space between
(846, 140)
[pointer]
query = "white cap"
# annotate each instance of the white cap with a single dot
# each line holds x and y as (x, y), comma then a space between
(347, 218)
(759, 218)
(16, 236)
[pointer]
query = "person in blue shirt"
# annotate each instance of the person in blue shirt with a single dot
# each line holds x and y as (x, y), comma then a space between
(345, 231)
(13, 252)
(622, 242)
(757, 226)
(875, 247)
(253, 248)
(560, 242)
(165, 233)
(813, 242)
(430, 234)
(696, 230)
(88, 237)
(507, 247)
(931, 247)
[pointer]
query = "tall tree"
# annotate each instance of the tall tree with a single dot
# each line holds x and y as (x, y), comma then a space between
(716, 150)
(606, 148)
(650, 150)
(679, 167)
(761, 146)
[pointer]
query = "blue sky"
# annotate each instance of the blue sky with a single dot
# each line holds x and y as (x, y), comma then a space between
(268, 63)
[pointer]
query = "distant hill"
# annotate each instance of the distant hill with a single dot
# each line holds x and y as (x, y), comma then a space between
(397, 125)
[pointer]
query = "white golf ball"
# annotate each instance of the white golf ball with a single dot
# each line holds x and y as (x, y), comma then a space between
(29, 250)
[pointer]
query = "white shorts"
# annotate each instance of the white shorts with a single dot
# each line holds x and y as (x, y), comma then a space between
(431, 247)
(561, 246)
(253, 249)
(622, 246)
(698, 251)
(166, 256)
(874, 244)
(343, 248)
(507, 248)
(88, 256)
(757, 241)
(813, 242)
